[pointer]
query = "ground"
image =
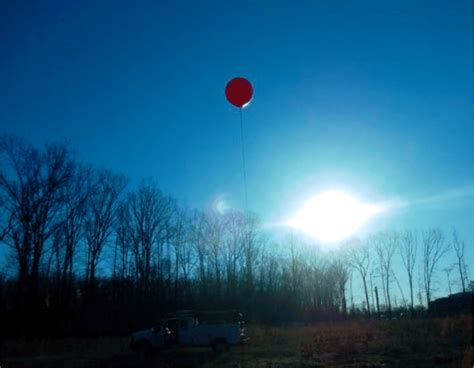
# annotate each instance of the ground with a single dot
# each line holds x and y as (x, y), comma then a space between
(403, 343)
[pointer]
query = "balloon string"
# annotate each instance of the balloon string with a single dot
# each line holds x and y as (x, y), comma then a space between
(242, 144)
(247, 215)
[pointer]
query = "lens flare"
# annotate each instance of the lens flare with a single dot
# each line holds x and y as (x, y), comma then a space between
(332, 216)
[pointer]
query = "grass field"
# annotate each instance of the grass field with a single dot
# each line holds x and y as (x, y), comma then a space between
(403, 343)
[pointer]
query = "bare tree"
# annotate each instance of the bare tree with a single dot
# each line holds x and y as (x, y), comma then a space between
(434, 248)
(373, 291)
(295, 269)
(360, 261)
(5, 216)
(386, 244)
(150, 213)
(100, 217)
(70, 229)
(122, 251)
(342, 274)
(408, 249)
(351, 293)
(459, 247)
(252, 248)
(395, 278)
(33, 183)
(213, 235)
(234, 242)
(447, 271)
(202, 252)
(270, 272)
(169, 256)
(182, 232)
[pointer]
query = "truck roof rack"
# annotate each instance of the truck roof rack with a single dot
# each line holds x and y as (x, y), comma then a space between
(208, 315)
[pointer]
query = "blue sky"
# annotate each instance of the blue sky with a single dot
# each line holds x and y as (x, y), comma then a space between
(371, 97)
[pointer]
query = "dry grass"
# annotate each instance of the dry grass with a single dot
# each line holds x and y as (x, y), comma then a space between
(71, 352)
(404, 343)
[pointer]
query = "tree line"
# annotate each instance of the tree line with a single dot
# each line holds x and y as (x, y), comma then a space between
(89, 254)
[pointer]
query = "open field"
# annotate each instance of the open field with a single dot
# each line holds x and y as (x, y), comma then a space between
(404, 343)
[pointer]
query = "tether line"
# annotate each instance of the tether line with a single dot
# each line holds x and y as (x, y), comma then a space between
(244, 170)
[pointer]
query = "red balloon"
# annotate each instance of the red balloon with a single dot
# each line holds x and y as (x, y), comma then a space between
(239, 92)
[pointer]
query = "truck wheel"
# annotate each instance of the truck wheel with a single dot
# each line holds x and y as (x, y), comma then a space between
(144, 349)
(220, 346)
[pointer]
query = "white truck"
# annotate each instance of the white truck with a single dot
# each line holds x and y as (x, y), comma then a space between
(218, 330)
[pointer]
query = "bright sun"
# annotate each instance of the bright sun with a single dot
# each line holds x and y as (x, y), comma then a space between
(332, 216)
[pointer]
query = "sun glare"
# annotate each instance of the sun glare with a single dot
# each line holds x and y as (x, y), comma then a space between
(332, 216)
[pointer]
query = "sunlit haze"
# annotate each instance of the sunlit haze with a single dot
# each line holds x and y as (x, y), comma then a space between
(332, 216)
